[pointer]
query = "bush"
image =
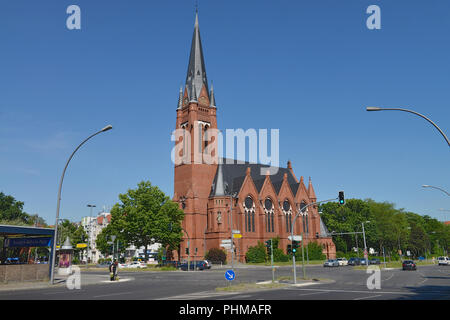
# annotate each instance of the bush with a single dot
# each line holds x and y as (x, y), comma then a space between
(279, 256)
(314, 251)
(256, 254)
(216, 256)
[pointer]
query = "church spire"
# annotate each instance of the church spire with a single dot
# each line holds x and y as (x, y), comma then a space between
(196, 73)
(220, 187)
(211, 95)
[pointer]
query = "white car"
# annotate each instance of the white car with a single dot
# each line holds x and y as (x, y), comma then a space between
(137, 264)
(444, 261)
(123, 265)
(342, 261)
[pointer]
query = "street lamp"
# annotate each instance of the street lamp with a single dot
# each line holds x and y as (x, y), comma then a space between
(416, 113)
(366, 256)
(52, 265)
(428, 186)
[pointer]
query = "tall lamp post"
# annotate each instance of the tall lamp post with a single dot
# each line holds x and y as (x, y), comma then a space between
(413, 112)
(89, 234)
(428, 186)
(52, 265)
(366, 254)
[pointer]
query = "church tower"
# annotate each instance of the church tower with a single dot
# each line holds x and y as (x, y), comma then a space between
(195, 150)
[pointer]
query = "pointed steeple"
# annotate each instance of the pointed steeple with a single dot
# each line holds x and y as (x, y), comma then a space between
(220, 187)
(211, 95)
(311, 193)
(196, 73)
(180, 99)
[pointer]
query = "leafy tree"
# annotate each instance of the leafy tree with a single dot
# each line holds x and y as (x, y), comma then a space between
(11, 209)
(145, 216)
(216, 255)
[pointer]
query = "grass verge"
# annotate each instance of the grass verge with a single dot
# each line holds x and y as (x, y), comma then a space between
(242, 287)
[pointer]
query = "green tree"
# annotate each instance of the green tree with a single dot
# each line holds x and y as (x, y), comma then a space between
(146, 216)
(12, 210)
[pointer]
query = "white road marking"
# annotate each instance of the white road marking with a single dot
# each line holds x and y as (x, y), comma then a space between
(378, 295)
(112, 294)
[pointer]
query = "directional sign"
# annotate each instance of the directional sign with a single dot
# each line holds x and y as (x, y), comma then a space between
(237, 235)
(226, 241)
(236, 231)
(226, 245)
(296, 238)
(81, 245)
(230, 275)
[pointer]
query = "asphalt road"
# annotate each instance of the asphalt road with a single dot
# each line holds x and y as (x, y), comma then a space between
(343, 283)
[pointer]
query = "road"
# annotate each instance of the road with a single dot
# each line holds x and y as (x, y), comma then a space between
(343, 283)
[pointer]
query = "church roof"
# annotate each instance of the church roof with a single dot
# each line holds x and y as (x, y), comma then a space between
(196, 73)
(233, 175)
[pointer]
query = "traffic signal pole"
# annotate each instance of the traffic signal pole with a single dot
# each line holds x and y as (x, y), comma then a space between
(271, 260)
(292, 237)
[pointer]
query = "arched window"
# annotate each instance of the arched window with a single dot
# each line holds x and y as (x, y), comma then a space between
(249, 208)
(268, 209)
(287, 210)
(304, 213)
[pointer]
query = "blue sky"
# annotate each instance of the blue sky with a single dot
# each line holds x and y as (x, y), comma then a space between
(307, 68)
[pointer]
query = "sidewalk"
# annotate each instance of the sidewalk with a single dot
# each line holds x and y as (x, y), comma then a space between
(60, 281)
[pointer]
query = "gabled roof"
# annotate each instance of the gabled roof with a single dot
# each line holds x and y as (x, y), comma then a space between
(233, 175)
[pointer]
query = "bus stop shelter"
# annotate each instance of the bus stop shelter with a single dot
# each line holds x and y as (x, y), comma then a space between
(12, 269)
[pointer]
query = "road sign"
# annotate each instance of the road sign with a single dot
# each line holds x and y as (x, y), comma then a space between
(226, 241)
(235, 231)
(230, 275)
(237, 235)
(226, 245)
(296, 238)
(365, 254)
(81, 245)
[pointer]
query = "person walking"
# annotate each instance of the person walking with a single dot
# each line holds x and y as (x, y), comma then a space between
(113, 271)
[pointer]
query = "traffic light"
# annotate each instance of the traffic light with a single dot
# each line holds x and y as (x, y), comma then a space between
(294, 246)
(317, 235)
(268, 246)
(341, 197)
(289, 249)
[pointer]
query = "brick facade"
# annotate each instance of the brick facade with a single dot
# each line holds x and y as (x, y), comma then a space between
(198, 185)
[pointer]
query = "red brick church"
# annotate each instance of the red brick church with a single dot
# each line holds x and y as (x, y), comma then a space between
(262, 206)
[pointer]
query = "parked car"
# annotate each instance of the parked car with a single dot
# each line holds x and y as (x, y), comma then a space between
(374, 261)
(409, 265)
(194, 265)
(443, 261)
(123, 265)
(331, 263)
(342, 261)
(354, 262)
(363, 261)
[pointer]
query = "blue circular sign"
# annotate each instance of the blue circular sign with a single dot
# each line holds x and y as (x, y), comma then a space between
(230, 275)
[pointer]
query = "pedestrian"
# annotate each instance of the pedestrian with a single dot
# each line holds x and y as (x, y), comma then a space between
(113, 271)
(116, 270)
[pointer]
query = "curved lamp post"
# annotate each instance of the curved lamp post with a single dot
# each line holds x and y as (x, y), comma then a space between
(416, 113)
(427, 186)
(52, 266)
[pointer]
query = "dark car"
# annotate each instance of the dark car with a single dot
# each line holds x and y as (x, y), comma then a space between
(409, 265)
(354, 262)
(363, 261)
(194, 265)
(374, 261)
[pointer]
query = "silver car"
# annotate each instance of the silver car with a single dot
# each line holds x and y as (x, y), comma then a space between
(331, 263)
